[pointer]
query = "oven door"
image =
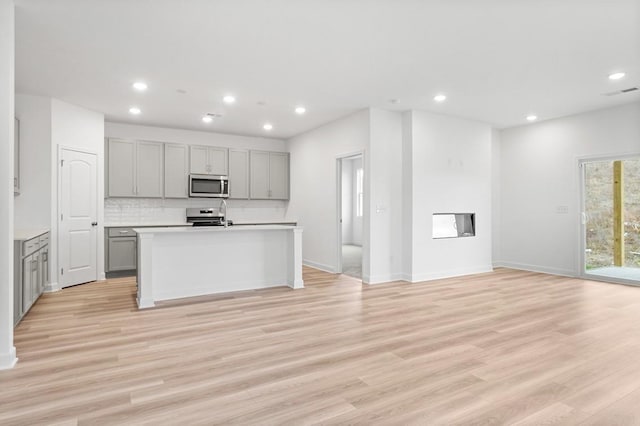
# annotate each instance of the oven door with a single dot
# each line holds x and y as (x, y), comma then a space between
(204, 186)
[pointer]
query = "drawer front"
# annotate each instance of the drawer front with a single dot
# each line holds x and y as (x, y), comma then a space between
(121, 232)
(30, 246)
(44, 239)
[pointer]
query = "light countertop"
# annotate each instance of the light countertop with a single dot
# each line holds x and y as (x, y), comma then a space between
(185, 224)
(143, 225)
(202, 229)
(28, 233)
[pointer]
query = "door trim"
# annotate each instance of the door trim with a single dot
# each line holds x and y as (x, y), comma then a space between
(57, 285)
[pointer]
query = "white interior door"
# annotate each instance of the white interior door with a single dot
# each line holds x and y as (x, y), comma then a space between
(78, 217)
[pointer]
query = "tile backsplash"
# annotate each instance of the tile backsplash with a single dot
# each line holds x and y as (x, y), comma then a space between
(172, 211)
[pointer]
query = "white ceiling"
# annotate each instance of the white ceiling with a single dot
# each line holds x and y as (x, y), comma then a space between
(496, 60)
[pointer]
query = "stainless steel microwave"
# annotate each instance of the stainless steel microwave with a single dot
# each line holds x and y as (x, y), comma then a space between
(208, 186)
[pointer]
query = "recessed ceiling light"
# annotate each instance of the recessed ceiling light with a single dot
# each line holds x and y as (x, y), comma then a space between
(134, 110)
(300, 110)
(207, 119)
(532, 117)
(439, 98)
(229, 99)
(267, 126)
(616, 76)
(140, 86)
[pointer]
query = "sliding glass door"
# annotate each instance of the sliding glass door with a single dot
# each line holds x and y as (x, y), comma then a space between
(611, 220)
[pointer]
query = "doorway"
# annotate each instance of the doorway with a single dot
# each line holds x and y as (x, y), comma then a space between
(611, 219)
(351, 213)
(77, 226)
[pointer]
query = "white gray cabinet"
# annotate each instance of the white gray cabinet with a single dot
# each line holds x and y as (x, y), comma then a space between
(238, 174)
(135, 169)
(208, 160)
(16, 157)
(149, 169)
(176, 171)
(269, 172)
(121, 250)
(31, 272)
(121, 168)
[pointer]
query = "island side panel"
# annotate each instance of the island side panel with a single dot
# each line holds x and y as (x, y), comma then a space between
(189, 264)
(295, 259)
(145, 271)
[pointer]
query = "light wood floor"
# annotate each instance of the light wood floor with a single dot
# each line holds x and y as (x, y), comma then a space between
(502, 348)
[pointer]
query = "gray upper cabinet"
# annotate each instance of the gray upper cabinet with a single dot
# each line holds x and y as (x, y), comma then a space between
(149, 169)
(279, 175)
(16, 157)
(135, 169)
(207, 160)
(176, 171)
(269, 173)
(121, 168)
(238, 174)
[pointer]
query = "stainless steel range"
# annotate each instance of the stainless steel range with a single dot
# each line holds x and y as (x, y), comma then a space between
(209, 216)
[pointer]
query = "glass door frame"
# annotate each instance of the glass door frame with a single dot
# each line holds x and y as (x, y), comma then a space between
(582, 258)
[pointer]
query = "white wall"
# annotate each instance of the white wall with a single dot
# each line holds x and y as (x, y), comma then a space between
(407, 195)
(33, 205)
(451, 172)
(149, 211)
(7, 350)
(496, 197)
(383, 184)
(539, 177)
(314, 183)
(75, 127)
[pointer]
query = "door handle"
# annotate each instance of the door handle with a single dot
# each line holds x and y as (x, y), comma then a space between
(94, 223)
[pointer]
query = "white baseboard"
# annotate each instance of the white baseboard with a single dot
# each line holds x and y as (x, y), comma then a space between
(382, 279)
(535, 268)
(8, 360)
(145, 303)
(322, 267)
(451, 273)
(52, 287)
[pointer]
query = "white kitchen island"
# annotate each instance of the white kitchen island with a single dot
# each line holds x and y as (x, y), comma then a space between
(192, 261)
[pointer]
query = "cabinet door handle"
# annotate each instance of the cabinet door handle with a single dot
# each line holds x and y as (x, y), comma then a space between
(94, 223)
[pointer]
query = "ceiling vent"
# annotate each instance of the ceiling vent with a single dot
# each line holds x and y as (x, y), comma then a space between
(619, 92)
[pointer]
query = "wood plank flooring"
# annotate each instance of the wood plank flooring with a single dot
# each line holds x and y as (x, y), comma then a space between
(508, 347)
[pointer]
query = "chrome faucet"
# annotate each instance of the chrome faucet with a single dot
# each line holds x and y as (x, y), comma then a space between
(224, 204)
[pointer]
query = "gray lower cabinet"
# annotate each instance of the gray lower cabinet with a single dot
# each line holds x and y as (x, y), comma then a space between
(31, 273)
(121, 250)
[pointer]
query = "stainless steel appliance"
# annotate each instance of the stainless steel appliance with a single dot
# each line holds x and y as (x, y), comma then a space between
(209, 216)
(208, 186)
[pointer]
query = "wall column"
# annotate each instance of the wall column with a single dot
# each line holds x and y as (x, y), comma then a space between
(7, 350)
